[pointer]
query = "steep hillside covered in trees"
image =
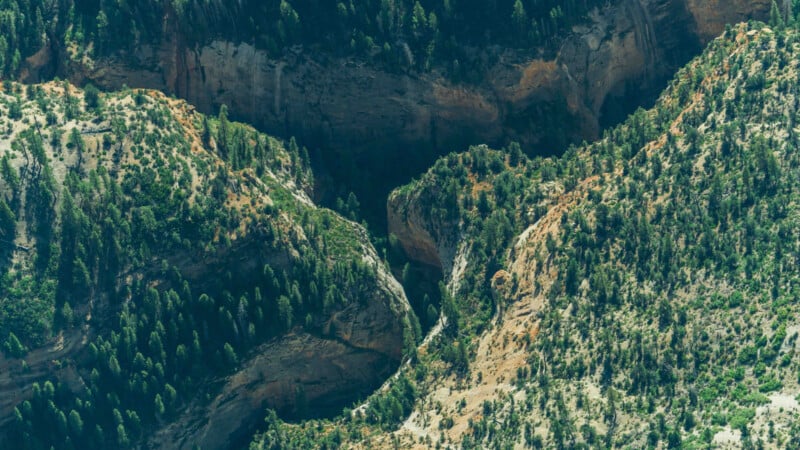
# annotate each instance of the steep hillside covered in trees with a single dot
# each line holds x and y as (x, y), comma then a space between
(641, 291)
(149, 252)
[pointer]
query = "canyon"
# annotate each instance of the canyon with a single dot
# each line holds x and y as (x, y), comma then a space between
(370, 116)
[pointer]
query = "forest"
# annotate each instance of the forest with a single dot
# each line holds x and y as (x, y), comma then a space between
(667, 282)
(386, 31)
(670, 271)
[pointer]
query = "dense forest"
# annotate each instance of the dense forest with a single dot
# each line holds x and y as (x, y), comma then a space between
(401, 33)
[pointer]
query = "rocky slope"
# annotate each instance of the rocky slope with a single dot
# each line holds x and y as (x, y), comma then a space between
(353, 351)
(645, 291)
(542, 98)
(184, 203)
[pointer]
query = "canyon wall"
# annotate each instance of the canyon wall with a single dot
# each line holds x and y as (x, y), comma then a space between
(600, 69)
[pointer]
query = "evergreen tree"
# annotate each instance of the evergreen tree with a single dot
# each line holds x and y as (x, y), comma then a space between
(75, 423)
(13, 347)
(775, 16)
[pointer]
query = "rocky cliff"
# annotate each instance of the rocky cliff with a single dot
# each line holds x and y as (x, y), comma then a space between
(541, 98)
(711, 16)
(301, 374)
(305, 373)
(424, 238)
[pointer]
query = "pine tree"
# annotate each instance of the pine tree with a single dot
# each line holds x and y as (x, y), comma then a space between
(91, 95)
(230, 355)
(775, 16)
(449, 309)
(8, 222)
(519, 18)
(13, 347)
(223, 133)
(285, 312)
(122, 437)
(419, 20)
(75, 423)
(102, 30)
(159, 406)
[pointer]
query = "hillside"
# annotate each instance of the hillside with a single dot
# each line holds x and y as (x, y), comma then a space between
(168, 279)
(637, 292)
(157, 264)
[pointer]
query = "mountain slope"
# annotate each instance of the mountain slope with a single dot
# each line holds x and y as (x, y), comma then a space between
(157, 264)
(641, 291)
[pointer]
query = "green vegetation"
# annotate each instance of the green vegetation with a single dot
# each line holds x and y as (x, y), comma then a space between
(667, 275)
(661, 260)
(402, 33)
(104, 217)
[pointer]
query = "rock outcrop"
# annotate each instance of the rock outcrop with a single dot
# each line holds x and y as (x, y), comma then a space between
(299, 375)
(426, 236)
(711, 16)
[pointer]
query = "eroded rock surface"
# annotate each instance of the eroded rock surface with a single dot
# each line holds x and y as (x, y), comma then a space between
(539, 97)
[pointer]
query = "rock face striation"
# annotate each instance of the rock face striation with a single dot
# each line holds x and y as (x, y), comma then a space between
(541, 98)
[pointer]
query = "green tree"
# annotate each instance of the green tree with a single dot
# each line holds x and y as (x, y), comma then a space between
(775, 16)
(449, 309)
(10, 175)
(230, 355)
(122, 437)
(91, 95)
(419, 19)
(289, 24)
(285, 313)
(8, 222)
(519, 18)
(572, 277)
(13, 347)
(77, 143)
(75, 423)
(101, 22)
(159, 406)
(223, 133)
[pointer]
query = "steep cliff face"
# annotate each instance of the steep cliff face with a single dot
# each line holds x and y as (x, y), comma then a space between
(624, 49)
(711, 16)
(409, 222)
(306, 373)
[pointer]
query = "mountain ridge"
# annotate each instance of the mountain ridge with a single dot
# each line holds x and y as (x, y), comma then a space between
(547, 351)
(138, 227)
